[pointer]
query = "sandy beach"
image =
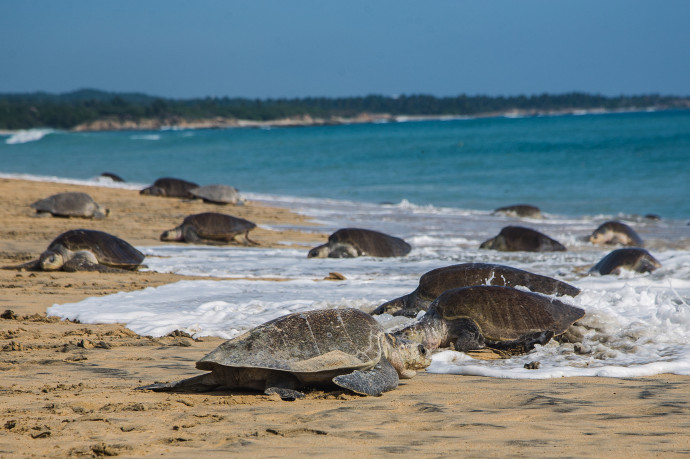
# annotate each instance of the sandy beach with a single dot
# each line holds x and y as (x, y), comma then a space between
(67, 389)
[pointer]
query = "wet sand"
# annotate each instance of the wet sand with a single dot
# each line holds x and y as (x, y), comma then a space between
(67, 389)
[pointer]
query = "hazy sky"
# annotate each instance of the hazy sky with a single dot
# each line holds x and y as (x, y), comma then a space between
(296, 48)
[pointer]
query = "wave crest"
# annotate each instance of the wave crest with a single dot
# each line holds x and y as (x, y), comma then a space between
(28, 135)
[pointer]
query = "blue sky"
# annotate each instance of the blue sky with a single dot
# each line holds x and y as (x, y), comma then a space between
(299, 48)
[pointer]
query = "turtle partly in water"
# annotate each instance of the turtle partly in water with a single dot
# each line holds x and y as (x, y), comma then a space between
(217, 194)
(437, 281)
(503, 319)
(342, 347)
(631, 258)
(519, 210)
(210, 228)
(170, 187)
(87, 250)
(113, 177)
(518, 238)
(355, 242)
(615, 232)
(70, 204)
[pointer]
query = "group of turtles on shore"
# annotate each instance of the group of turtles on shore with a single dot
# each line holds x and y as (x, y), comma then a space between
(467, 307)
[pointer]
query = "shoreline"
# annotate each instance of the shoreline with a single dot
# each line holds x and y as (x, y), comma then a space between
(69, 387)
(178, 123)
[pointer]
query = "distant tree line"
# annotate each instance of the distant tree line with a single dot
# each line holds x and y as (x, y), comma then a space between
(65, 111)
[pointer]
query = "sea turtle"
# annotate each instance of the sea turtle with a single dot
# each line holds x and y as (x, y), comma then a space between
(518, 238)
(70, 204)
(170, 187)
(632, 258)
(113, 177)
(437, 281)
(217, 194)
(504, 319)
(345, 347)
(210, 228)
(615, 232)
(355, 242)
(87, 250)
(519, 210)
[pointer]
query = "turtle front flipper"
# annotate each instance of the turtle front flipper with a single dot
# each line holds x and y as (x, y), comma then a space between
(383, 377)
(523, 344)
(190, 234)
(202, 383)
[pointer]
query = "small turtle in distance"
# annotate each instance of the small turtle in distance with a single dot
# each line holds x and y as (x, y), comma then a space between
(170, 188)
(70, 204)
(356, 242)
(211, 228)
(217, 194)
(615, 232)
(87, 250)
(521, 239)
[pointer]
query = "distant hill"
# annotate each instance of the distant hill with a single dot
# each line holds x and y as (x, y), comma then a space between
(91, 109)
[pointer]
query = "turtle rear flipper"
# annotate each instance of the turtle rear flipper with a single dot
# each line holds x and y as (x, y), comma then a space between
(383, 377)
(285, 394)
(33, 265)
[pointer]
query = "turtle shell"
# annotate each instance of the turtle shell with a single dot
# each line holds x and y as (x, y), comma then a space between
(372, 243)
(435, 282)
(70, 204)
(108, 249)
(218, 194)
(212, 225)
(519, 210)
(633, 258)
(615, 232)
(518, 238)
(504, 313)
(323, 341)
(170, 187)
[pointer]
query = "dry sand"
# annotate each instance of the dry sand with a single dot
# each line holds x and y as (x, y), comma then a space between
(67, 389)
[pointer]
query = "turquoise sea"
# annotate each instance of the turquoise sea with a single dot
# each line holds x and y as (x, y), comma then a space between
(631, 163)
(433, 183)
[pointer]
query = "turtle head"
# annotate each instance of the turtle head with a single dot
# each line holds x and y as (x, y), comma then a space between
(153, 191)
(101, 212)
(407, 356)
(172, 235)
(321, 251)
(51, 260)
(495, 243)
(601, 236)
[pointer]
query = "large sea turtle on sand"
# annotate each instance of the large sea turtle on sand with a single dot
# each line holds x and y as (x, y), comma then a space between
(342, 347)
(355, 242)
(615, 232)
(217, 194)
(518, 238)
(170, 187)
(210, 228)
(437, 281)
(503, 319)
(87, 250)
(70, 204)
(631, 258)
(519, 210)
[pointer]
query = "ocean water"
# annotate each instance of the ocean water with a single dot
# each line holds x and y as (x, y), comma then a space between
(434, 183)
